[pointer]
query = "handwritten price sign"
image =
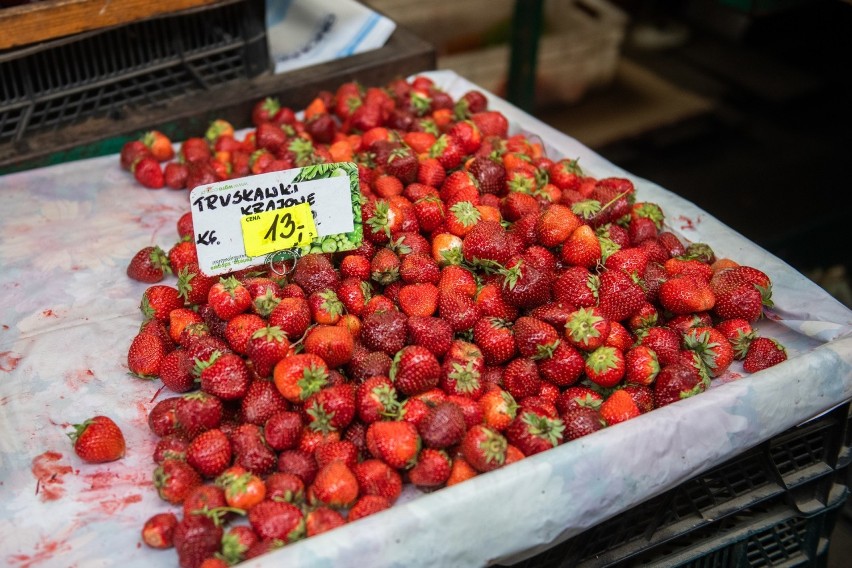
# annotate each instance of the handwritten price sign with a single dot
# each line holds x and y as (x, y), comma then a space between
(278, 229)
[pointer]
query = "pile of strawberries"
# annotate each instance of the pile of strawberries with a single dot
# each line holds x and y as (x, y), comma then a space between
(502, 303)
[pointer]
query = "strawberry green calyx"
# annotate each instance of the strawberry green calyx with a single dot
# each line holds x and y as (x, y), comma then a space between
(380, 221)
(420, 103)
(453, 256)
(386, 395)
(741, 344)
(545, 351)
(550, 429)
(160, 260)
(510, 405)
(765, 295)
(522, 183)
(582, 325)
(331, 303)
(650, 211)
(438, 147)
(399, 247)
(270, 333)
(588, 401)
(461, 110)
(321, 419)
(218, 514)
(302, 148)
(494, 447)
(201, 364)
(700, 252)
(586, 209)
(184, 284)
(512, 275)
(78, 430)
(541, 178)
(466, 213)
(608, 248)
(264, 304)
(466, 377)
(148, 311)
(216, 129)
(602, 359)
(701, 345)
(230, 284)
(312, 381)
(271, 105)
(233, 551)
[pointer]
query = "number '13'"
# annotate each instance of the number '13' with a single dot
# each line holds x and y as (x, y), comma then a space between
(288, 227)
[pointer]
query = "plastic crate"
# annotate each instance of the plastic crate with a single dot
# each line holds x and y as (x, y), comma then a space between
(796, 471)
(129, 68)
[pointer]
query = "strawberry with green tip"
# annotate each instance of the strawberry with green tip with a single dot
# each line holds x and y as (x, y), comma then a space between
(266, 347)
(397, 443)
(587, 328)
(714, 352)
(414, 370)
(299, 376)
(618, 407)
(641, 365)
(149, 265)
(229, 298)
(763, 353)
(98, 440)
(605, 366)
(533, 433)
(484, 448)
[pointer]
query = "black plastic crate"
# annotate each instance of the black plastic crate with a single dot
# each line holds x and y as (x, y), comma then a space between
(111, 72)
(798, 468)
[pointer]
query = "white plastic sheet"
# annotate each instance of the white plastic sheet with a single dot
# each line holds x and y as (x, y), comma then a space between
(68, 314)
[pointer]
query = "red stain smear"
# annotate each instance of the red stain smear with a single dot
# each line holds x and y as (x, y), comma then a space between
(687, 223)
(9, 361)
(49, 473)
(73, 379)
(44, 551)
(110, 506)
(48, 313)
(101, 480)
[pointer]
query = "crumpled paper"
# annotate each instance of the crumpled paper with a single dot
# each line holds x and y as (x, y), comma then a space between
(307, 32)
(68, 313)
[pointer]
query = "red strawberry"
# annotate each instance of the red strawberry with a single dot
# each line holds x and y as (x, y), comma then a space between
(484, 448)
(686, 295)
(145, 356)
(581, 421)
(458, 309)
(432, 469)
(587, 329)
(251, 451)
(521, 378)
(491, 123)
(209, 453)
(763, 353)
(196, 412)
(197, 538)
(605, 366)
(331, 409)
(131, 152)
(174, 480)
(619, 297)
(176, 371)
(743, 302)
(285, 487)
(299, 376)
(158, 301)
(524, 285)
(334, 344)
(496, 340)
(533, 433)
(98, 440)
(148, 172)
(443, 426)
(582, 248)
(555, 225)
(261, 402)
(338, 450)
(159, 144)
(171, 446)
(618, 407)
(278, 520)
(665, 342)
(676, 382)
(563, 367)
(236, 542)
(314, 272)
(485, 243)
(293, 316)
(713, 349)
(418, 299)
(375, 477)
(225, 376)
(193, 286)
(491, 303)
(384, 331)
(299, 463)
(149, 265)
(367, 505)
(229, 298)
(435, 334)
(535, 338)
(240, 329)
(334, 486)
(739, 334)
(158, 531)
(282, 430)
(577, 287)
(415, 369)
(376, 399)
(729, 279)
(641, 365)
(266, 347)
(396, 443)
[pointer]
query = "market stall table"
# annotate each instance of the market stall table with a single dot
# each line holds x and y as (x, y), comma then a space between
(68, 313)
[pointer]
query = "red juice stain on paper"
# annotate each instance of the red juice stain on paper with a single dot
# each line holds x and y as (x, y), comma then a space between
(49, 473)
(46, 549)
(115, 504)
(77, 377)
(687, 223)
(48, 313)
(9, 361)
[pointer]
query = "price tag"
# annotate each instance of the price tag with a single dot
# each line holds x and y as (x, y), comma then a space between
(238, 223)
(278, 229)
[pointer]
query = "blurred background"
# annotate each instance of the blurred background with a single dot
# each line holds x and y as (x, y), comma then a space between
(741, 106)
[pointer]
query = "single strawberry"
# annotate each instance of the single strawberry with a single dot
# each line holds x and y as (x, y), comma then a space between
(209, 453)
(171, 446)
(535, 338)
(333, 343)
(145, 356)
(261, 402)
(490, 122)
(415, 369)
(158, 531)
(225, 376)
(587, 328)
(251, 451)
(176, 371)
(686, 295)
(98, 440)
(277, 520)
(533, 433)
(159, 145)
(240, 329)
(236, 542)
(149, 265)
(193, 286)
(197, 412)
(435, 334)
(174, 480)
(581, 421)
(739, 334)
(334, 486)
(582, 248)
(605, 366)
(397, 443)
(197, 538)
(486, 243)
(564, 366)
(492, 304)
(331, 409)
(641, 365)
(322, 519)
(314, 272)
(495, 339)
(299, 376)
(148, 172)
(229, 298)
(285, 487)
(384, 331)
(432, 469)
(524, 285)
(367, 505)
(618, 407)
(158, 301)
(483, 448)
(676, 382)
(299, 463)
(576, 286)
(443, 426)
(336, 450)
(498, 408)
(292, 316)
(763, 353)
(521, 378)
(619, 297)
(282, 430)
(266, 347)
(418, 299)
(714, 352)
(458, 309)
